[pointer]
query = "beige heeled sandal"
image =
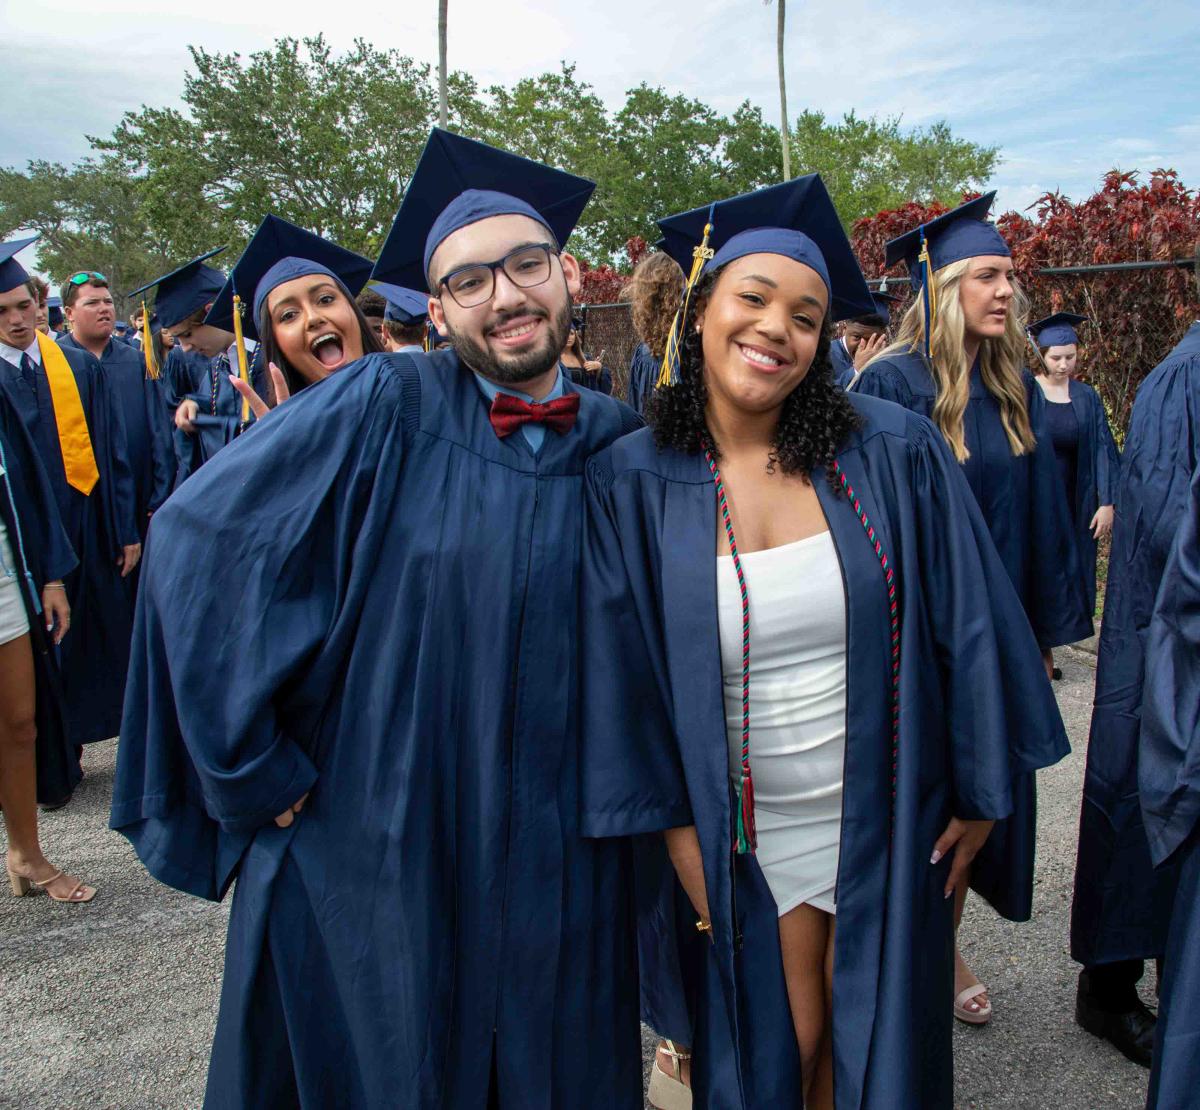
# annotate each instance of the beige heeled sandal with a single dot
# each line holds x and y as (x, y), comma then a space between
(669, 1092)
(21, 886)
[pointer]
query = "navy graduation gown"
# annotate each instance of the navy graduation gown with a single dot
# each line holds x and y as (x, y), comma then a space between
(1022, 501)
(1169, 781)
(389, 620)
(43, 554)
(644, 370)
(974, 708)
(1097, 467)
(1122, 905)
(601, 381)
(138, 402)
(842, 362)
(94, 656)
(182, 373)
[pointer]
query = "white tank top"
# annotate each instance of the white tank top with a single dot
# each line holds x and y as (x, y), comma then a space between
(797, 709)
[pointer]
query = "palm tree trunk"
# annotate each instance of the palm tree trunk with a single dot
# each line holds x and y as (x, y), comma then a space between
(443, 96)
(784, 128)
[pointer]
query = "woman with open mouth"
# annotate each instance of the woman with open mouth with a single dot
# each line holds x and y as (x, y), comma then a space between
(301, 290)
(958, 359)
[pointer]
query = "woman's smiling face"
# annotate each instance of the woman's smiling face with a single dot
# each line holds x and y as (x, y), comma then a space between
(761, 326)
(315, 325)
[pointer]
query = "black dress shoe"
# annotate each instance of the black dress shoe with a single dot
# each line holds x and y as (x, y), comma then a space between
(1057, 675)
(1130, 1033)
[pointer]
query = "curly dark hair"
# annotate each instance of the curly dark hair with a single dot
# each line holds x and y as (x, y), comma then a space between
(813, 426)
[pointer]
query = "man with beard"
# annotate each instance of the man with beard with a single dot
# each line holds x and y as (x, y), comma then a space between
(89, 308)
(63, 398)
(383, 748)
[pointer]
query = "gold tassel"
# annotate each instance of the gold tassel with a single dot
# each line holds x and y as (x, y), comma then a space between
(148, 346)
(243, 366)
(929, 291)
(700, 256)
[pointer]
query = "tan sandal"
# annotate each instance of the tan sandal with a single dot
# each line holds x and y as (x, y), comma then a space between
(972, 1017)
(669, 1092)
(21, 886)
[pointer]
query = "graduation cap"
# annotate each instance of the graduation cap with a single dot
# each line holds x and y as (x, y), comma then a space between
(963, 232)
(458, 182)
(1057, 330)
(12, 273)
(796, 219)
(183, 291)
(884, 302)
(405, 306)
(54, 311)
(277, 252)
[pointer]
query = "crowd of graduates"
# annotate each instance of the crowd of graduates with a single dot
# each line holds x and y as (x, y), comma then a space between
(522, 714)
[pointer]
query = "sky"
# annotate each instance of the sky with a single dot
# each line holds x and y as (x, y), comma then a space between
(1066, 90)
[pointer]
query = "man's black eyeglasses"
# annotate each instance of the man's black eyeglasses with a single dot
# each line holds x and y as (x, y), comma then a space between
(525, 267)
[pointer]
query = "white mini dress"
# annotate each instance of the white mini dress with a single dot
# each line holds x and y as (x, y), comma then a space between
(13, 620)
(797, 710)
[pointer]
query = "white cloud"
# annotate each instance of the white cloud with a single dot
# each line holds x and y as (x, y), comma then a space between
(1066, 92)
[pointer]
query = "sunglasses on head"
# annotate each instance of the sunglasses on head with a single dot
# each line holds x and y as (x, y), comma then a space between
(84, 276)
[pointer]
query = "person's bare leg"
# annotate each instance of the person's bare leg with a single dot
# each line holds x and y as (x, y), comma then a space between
(18, 769)
(820, 1092)
(804, 939)
(964, 977)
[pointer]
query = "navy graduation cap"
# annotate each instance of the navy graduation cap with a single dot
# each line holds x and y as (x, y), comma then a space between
(1057, 330)
(461, 181)
(884, 302)
(405, 306)
(963, 232)
(12, 273)
(54, 311)
(277, 252)
(796, 219)
(184, 290)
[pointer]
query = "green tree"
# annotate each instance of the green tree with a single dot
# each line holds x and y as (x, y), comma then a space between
(319, 139)
(869, 164)
(89, 217)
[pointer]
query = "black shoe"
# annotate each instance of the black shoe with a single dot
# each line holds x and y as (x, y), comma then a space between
(1131, 1033)
(1057, 675)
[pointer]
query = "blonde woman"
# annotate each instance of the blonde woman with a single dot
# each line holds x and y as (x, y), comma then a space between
(957, 359)
(654, 292)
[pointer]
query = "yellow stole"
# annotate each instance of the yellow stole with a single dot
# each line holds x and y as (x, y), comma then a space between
(78, 460)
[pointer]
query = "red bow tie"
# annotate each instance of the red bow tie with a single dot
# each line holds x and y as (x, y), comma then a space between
(509, 413)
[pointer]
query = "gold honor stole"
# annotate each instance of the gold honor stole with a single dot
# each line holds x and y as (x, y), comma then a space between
(79, 462)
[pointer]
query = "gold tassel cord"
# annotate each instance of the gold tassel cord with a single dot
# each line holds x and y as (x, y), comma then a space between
(148, 346)
(243, 365)
(700, 256)
(930, 293)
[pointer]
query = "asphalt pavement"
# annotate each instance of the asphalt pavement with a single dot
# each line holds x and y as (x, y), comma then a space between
(113, 1004)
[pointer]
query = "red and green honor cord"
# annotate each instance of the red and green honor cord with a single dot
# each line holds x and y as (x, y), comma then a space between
(747, 837)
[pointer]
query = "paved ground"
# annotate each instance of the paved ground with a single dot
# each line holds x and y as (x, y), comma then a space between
(113, 1004)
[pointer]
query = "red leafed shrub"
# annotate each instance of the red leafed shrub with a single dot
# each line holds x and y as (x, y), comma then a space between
(602, 284)
(1136, 317)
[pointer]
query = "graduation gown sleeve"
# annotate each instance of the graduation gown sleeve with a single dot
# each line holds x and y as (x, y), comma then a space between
(1169, 756)
(631, 776)
(992, 673)
(881, 379)
(1108, 458)
(205, 757)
